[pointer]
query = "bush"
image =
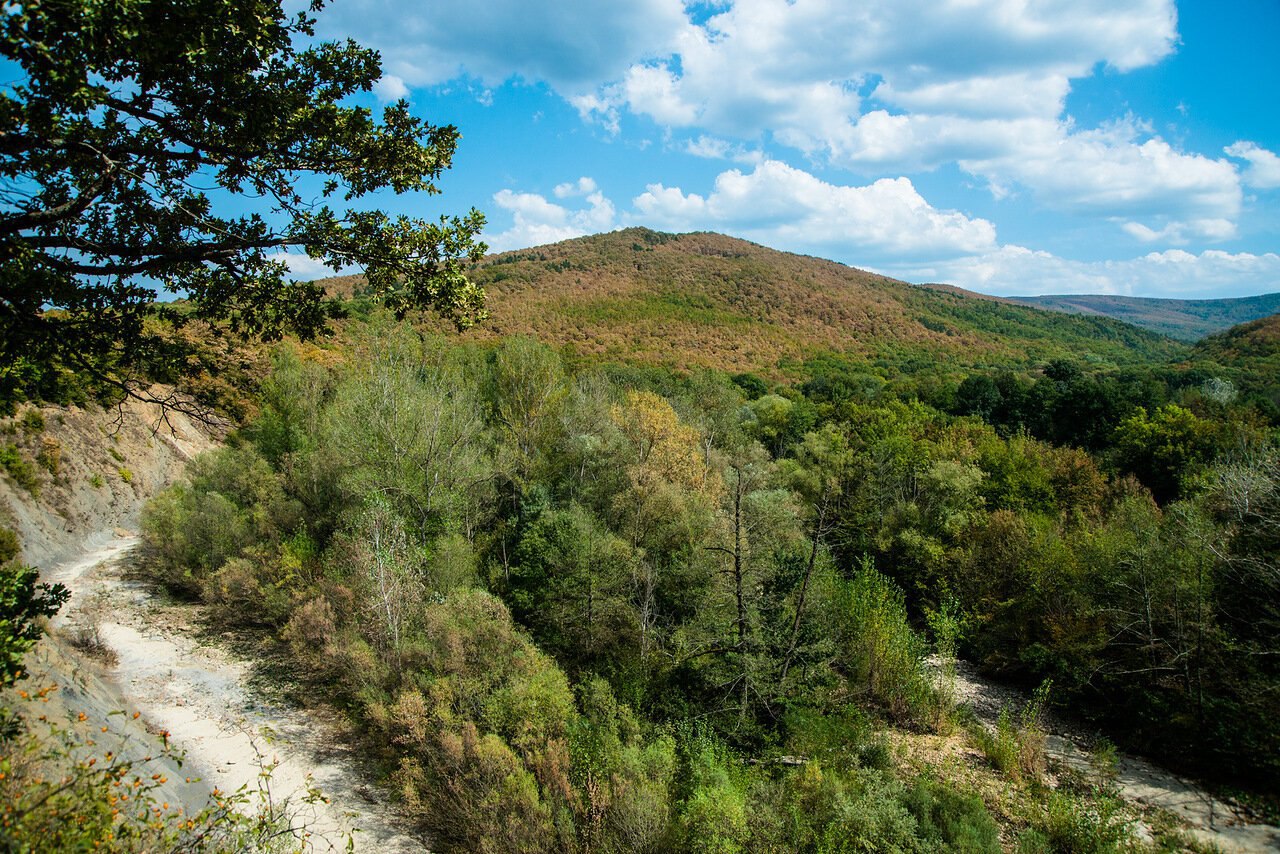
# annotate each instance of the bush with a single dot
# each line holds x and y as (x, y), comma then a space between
(309, 633)
(1096, 826)
(1018, 749)
(950, 821)
(24, 603)
(882, 655)
(249, 591)
(32, 421)
(713, 815)
(231, 501)
(20, 469)
(482, 727)
(855, 812)
(59, 793)
(10, 547)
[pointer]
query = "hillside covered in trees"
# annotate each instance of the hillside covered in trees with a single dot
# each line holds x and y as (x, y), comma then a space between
(1184, 319)
(706, 300)
(582, 604)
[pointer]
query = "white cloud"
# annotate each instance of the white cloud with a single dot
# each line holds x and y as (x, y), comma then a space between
(574, 46)
(1016, 270)
(775, 204)
(304, 268)
(1002, 96)
(714, 148)
(1181, 233)
(1116, 171)
(782, 206)
(653, 90)
(582, 187)
(765, 64)
(884, 87)
(982, 83)
(1264, 165)
(536, 221)
(390, 88)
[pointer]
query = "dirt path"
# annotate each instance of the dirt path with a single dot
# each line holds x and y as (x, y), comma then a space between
(199, 694)
(1209, 819)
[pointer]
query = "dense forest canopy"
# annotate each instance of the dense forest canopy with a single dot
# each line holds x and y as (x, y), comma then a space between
(589, 606)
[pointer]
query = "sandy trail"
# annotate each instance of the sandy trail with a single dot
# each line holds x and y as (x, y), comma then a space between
(199, 694)
(1209, 819)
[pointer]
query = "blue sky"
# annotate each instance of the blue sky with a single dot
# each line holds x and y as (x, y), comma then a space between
(1007, 146)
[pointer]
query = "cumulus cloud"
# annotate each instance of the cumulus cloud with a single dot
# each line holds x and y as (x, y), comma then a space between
(896, 87)
(885, 87)
(783, 206)
(1018, 271)
(304, 268)
(390, 88)
(1264, 166)
(714, 148)
(1180, 233)
(1117, 170)
(774, 203)
(582, 187)
(536, 221)
(766, 64)
(574, 46)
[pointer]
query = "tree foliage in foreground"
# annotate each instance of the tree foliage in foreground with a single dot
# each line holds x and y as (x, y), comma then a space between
(181, 146)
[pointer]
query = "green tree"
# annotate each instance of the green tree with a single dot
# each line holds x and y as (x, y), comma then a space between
(23, 603)
(572, 587)
(132, 133)
(1165, 448)
(409, 429)
(528, 393)
(821, 474)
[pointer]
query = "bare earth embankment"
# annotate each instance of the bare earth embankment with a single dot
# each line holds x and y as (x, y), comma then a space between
(79, 531)
(1209, 819)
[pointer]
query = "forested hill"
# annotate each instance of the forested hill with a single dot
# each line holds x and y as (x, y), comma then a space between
(1248, 355)
(1186, 320)
(707, 299)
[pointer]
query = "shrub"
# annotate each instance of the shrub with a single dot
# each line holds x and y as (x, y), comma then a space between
(883, 656)
(32, 421)
(24, 602)
(232, 501)
(1093, 826)
(50, 456)
(310, 631)
(950, 821)
(713, 814)
(1018, 749)
(248, 591)
(58, 793)
(482, 726)
(852, 812)
(20, 469)
(10, 547)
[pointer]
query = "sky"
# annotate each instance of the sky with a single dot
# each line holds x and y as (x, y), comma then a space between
(1005, 146)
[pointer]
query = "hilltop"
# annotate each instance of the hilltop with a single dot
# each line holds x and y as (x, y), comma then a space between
(704, 299)
(1186, 320)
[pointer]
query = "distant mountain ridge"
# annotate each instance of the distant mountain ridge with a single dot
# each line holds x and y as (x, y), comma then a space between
(704, 299)
(1186, 320)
